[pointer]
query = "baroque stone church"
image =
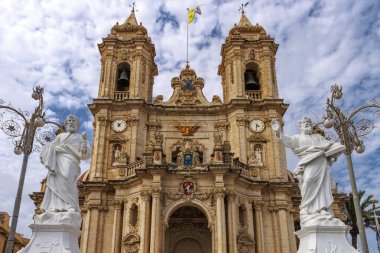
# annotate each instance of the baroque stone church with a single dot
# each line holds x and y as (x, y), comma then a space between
(188, 174)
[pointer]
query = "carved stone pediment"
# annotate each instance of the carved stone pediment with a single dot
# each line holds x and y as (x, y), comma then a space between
(117, 138)
(187, 89)
(257, 138)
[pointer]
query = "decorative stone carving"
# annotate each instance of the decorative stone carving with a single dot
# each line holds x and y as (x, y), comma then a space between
(187, 130)
(187, 190)
(218, 139)
(132, 243)
(187, 154)
(246, 243)
(217, 100)
(187, 89)
(159, 99)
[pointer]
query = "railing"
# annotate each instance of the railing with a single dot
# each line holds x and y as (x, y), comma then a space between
(121, 95)
(131, 168)
(253, 94)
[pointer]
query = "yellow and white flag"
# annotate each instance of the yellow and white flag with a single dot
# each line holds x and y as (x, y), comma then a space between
(191, 14)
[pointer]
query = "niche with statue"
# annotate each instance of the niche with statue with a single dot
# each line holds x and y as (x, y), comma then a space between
(118, 155)
(256, 154)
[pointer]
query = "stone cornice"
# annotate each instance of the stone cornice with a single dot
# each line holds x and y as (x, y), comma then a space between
(100, 103)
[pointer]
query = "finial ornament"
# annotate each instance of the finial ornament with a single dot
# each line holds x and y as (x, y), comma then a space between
(242, 7)
(133, 6)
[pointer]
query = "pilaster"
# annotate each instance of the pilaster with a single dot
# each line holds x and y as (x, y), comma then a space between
(156, 226)
(232, 222)
(145, 220)
(220, 221)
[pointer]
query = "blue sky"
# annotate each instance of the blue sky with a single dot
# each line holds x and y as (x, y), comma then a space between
(54, 44)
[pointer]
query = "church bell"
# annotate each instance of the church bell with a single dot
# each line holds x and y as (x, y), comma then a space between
(123, 79)
(250, 81)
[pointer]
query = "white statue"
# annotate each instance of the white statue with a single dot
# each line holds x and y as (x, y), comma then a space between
(313, 172)
(258, 156)
(62, 157)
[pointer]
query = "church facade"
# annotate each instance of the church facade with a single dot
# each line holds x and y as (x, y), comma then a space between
(188, 174)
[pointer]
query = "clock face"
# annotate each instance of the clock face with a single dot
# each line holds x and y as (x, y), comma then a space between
(119, 125)
(257, 126)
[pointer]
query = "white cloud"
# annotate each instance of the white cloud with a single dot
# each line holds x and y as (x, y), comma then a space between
(54, 44)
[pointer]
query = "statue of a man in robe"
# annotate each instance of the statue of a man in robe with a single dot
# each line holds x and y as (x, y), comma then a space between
(313, 171)
(62, 157)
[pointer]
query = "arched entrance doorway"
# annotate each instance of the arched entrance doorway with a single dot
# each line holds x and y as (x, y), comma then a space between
(188, 232)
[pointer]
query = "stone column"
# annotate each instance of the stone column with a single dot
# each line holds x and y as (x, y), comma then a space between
(99, 148)
(276, 228)
(125, 227)
(232, 222)
(117, 220)
(93, 215)
(241, 123)
(108, 78)
(144, 222)
(156, 231)
(133, 122)
(250, 224)
(238, 72)
(258, 206)
(220, 222)
(283, 220)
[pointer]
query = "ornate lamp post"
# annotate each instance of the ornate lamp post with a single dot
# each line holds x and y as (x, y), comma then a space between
(24, 143)
(350, 131)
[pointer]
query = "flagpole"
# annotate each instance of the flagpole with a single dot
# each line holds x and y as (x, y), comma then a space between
(187, 38)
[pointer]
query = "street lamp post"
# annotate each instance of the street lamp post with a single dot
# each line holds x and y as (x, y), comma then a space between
(24, 144)
(350, 133)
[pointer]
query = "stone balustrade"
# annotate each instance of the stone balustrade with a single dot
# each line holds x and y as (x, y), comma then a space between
(253, 94)
(121, 95)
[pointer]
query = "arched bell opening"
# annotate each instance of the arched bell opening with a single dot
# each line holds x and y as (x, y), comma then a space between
(123, 77)
(188, 231)
(251, 77)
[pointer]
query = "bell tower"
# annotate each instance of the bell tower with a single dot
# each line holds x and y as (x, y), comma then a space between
(127, 62)
(248, 63)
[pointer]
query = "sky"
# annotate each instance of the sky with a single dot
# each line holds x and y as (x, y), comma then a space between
(54, 44)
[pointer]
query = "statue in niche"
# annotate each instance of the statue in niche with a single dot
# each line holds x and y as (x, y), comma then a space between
(259, 155)
(256, 155)
(119, 158)
(313, 172)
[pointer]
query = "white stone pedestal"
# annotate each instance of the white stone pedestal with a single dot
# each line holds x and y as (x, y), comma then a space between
(55, 232)
(324, 239)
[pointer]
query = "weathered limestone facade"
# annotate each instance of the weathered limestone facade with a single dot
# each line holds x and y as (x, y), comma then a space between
(188, 174)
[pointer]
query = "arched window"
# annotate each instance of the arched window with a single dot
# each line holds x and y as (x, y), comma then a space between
(251, 77)
(123, 77)
(133, 215)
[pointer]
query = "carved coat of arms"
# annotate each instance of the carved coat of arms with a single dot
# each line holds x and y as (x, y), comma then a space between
(188, 156)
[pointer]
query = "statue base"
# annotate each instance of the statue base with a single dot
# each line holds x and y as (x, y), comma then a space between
(56, 232)
(322, 239)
